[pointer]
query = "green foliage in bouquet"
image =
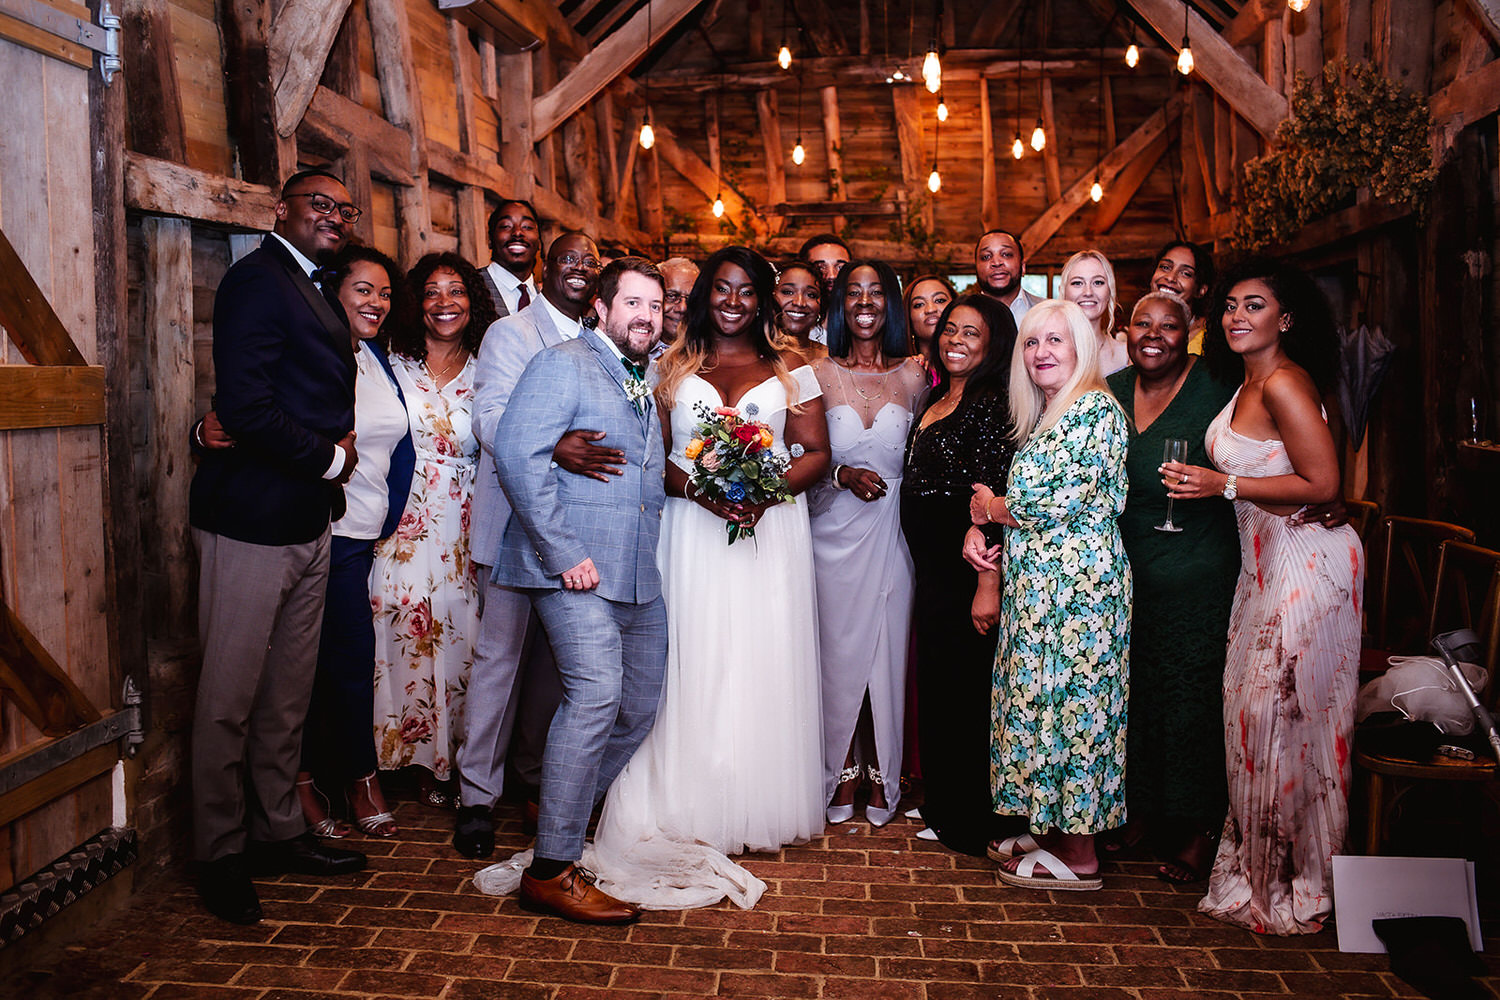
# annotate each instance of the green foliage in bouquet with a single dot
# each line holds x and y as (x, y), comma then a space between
(1361, 129)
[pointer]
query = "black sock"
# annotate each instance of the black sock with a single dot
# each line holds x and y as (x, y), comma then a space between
(543, 869)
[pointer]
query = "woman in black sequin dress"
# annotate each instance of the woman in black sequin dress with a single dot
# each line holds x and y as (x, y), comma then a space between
(960, 439)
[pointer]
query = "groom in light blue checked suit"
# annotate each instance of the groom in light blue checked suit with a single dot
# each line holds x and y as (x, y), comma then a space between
(585, 552)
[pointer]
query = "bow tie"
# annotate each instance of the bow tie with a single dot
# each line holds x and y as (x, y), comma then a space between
(637, 370)
(322, 274)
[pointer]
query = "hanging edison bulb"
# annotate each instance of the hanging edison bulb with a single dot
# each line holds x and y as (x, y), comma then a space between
(932, 70)
(1038, 137)
(648, 135)
(798, 153)
(1299, 5)
(784, 58)
(1096, 191)
(1185, 58)
(1133, 56)
(719, 206)
(942, 111)
(934, 180)
(1018, 148)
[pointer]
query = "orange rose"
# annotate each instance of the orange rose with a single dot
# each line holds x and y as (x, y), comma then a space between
(694, 448)
(766, 437)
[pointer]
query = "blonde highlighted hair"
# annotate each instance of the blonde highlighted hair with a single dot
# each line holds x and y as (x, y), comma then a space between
(1108, 319)
(1030, 410)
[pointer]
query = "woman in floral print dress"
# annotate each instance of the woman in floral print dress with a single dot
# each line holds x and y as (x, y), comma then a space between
(423, 587)
(1057, 752)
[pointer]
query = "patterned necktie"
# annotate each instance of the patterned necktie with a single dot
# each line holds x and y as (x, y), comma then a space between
(524, 300)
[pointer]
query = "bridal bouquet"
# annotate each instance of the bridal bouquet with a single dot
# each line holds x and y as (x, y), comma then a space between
(733, 461)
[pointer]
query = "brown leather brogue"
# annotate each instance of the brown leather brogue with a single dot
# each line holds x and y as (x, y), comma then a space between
(573, 896)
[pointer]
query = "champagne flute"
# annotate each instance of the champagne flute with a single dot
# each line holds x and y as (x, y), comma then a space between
(1174, 451)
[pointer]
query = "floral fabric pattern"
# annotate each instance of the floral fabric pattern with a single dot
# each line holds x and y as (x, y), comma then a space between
(424, 588)
(1290, 683)
(1057, 753)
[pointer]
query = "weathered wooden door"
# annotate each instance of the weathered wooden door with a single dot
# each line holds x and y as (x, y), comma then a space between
(60, 685)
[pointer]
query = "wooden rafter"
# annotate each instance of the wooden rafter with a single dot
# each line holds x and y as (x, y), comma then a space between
(1120, 192)
(1260, 104)
(959, 66)
(1076, 196)
(821, 27)
(1488, 12)
(607, 62)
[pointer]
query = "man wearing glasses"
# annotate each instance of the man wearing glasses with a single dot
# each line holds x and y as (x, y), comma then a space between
(260, 511)
(512, 656)
(679, 273)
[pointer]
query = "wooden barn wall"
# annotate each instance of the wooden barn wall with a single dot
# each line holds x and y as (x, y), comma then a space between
(52, 570)
(1378, 273)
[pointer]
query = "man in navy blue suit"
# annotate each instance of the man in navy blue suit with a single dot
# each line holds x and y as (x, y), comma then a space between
(260, 513)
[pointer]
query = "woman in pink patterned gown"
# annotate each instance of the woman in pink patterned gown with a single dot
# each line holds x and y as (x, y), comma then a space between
(1292, 666)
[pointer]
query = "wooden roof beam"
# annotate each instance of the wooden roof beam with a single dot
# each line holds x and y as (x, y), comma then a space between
(821, 27)
(1488, 12)
(1075, 197)
(1247, 25)
(1219, 65)
(603, 65)
(701, 176)
(1127, 182)
(301, 35)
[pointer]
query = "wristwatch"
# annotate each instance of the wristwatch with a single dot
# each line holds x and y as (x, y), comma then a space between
(1231, 487)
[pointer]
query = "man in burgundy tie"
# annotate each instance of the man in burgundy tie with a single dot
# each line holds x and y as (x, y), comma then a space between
(515, 242)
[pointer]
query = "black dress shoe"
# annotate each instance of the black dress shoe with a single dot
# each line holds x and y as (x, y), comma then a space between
(474, 832)
(305, 855)
(225, 888)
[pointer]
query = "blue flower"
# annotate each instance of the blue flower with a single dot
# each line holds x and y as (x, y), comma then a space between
(735, 493)
(751, 410)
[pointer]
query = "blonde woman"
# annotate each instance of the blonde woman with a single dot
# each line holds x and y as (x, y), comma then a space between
(1057, 751)
(1088, 281)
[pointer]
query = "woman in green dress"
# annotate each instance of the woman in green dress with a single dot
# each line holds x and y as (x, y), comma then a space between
(1184, 586)
(1057, 751)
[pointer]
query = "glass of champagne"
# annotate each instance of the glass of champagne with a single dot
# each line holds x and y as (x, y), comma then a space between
(1174, 451)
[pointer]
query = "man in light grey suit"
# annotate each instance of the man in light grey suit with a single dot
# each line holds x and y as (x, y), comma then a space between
(513, 673)
(1000, 264)
(585, 553)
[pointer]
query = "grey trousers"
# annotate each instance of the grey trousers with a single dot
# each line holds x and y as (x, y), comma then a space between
(260, 614)
(513, 687)
(612, 660)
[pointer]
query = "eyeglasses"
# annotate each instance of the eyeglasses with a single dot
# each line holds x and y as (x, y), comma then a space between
(675, 296)
(573, 260)
(324, 205)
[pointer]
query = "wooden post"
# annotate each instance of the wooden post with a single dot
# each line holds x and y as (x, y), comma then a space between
(989, 185)
(648, 197)
(580, 161)
(1109, 115)
(462, 55)
(122, 530)
(517, 154)
(355, 168)
(390, 33)
(473, 241)
(1049, 152)
(155, 121)
(544, 70)
(770, 136)
(265, 156)
(833, 142)
(607, 135)
(168, 299)
(1202, 101)
(914, 165)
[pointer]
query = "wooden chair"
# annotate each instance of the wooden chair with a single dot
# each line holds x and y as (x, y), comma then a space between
(1466, 595)
(1363, 515)
(1398, 598)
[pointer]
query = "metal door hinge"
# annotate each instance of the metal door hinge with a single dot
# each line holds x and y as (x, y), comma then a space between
(103, 38)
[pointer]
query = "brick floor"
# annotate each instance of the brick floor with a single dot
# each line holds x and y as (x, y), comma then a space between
(860, 913)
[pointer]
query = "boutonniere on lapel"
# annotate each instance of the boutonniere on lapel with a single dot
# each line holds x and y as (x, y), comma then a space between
(636, 389)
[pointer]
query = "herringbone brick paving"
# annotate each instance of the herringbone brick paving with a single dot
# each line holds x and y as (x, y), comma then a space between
(860, 913)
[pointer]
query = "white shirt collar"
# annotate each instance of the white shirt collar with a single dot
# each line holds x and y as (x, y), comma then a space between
(507, 281)
(567, 326)
(302, 259)
(613, 347)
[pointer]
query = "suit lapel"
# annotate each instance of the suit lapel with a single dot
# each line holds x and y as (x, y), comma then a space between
(334, 324)
(542, 319)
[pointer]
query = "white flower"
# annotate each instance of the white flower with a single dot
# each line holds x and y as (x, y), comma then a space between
(796, 450)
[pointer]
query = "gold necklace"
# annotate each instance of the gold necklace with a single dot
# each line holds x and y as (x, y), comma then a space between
(462, 355)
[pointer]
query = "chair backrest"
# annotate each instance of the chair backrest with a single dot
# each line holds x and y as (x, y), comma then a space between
(1363, 515)
(1467, 595)
(1408, 574)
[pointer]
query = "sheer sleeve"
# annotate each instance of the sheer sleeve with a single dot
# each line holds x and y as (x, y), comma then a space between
(807, 384)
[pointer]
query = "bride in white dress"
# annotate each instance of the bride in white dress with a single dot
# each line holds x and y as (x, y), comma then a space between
(734, 761)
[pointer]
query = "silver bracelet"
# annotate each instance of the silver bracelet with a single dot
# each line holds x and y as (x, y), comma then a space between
(836, 484)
